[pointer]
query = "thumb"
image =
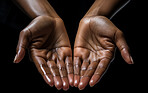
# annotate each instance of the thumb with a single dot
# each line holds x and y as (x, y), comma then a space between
(123, 47)
(22, 45)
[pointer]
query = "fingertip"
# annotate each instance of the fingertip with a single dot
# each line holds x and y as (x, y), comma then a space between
(71, 79)
(58, 85)
(76, 80)
(58, 82)
(94, 80)
(76, 83)
(65, 84)
(91, 83)
(48, 80)
(51, 83)
(126, 56)
(83, 82)
(81, 86)
(15, 59)
(19, 56)
(131, 60)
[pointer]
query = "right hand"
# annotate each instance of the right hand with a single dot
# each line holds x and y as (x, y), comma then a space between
(49, 47)
(94, 49)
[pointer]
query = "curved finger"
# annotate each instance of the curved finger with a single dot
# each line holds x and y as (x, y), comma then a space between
(87, 75)
(69, 67)
(101, 68)
(63, 73)
(55, 73)
(77, 66)
(23, 42)
(123, 47)
(44, 70)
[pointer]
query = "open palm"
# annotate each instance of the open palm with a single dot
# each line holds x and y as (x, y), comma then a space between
(94, 48)
(49, 47)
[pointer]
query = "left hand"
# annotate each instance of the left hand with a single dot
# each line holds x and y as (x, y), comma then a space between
(47, 40)
(94, 48)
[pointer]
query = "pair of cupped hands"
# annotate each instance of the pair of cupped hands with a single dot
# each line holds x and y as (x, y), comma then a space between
(49, 48)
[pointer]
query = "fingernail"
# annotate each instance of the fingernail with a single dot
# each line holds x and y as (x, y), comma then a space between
(80, 86)
(91, 83)
(65, 86)
(71, 82)
(15, 59)
(76, 83)
(58, 85)
(132, 62)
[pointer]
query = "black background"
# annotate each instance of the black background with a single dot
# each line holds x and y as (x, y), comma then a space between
(120, 77)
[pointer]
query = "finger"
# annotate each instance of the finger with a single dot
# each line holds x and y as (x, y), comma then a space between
(77, 64)
(63, 73)
(101, 68)
(19, 55)
(69, 67)
(84, 66)
(55, 73)
(123, 47)
(22, 45)
(88, 74)
(44, 70)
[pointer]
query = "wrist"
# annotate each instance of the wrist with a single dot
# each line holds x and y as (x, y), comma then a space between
(99, 8)
(36, 8)
(98, 13)
(107, 8)
(47, 15)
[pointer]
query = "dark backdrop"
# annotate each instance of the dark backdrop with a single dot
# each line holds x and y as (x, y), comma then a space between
(120, 77)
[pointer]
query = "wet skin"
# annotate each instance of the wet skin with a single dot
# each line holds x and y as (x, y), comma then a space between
(94, 48)
(49, 47)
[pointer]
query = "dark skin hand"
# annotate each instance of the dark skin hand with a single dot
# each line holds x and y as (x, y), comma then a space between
(49, 48)
(48, 43)
(94, 48)
(96, 41)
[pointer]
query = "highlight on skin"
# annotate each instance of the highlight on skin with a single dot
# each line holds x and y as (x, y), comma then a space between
(49, 47)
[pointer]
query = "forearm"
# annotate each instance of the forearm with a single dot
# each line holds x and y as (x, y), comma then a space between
(34, 8)
(105, 7)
